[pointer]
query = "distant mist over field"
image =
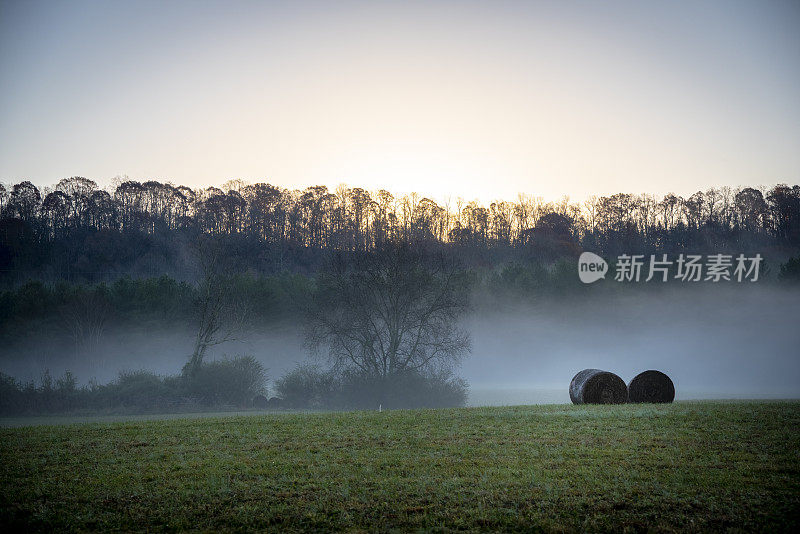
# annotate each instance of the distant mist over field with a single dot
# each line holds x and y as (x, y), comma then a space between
(715, 342)
(725, 342)
(278, 347)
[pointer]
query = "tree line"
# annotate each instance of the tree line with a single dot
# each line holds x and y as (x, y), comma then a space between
(77, 227)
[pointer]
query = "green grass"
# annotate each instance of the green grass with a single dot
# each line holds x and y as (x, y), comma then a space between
(693, 466)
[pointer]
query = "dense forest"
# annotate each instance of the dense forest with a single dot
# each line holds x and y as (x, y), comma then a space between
(107, 274)
(79, 232)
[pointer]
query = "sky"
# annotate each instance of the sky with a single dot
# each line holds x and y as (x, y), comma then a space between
(474, 100)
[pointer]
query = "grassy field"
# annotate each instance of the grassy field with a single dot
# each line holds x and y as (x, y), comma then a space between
(693, 466)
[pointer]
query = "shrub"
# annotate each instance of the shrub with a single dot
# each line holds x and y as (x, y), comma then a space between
(139, 389)
(11, 395)
(307, 387)
(234, 381)
(67, 392)
(51, 396)
(409, 389)
(230, 382)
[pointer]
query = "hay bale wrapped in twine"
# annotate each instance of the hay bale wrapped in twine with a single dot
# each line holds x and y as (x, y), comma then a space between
(651, 386)
(593, 386)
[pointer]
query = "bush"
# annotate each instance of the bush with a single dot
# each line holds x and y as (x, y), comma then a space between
(308, 387)
(233, 382)
(230, 382)
(139, 389)
(12, 397)
(410, 389)
(51, 396)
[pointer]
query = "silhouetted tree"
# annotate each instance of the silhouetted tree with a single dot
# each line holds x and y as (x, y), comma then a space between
(390, 311)
(222, 311)
(85, 317)
(78, 231)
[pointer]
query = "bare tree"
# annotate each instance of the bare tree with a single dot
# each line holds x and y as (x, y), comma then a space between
(223, 310)
(85, 318)
(391, 311)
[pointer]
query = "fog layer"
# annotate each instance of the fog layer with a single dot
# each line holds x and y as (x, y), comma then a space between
(713, 342)
(718, 342)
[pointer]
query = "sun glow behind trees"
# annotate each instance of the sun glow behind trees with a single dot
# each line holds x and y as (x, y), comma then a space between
(478, 100)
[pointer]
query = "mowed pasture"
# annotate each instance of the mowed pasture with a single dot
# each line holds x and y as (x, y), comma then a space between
(688, 466)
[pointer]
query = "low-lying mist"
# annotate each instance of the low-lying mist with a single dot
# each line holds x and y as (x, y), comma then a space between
(278, 347)
(714, 342)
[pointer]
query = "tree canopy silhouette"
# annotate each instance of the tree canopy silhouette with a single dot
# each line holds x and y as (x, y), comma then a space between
(77, 231)
(390, 311)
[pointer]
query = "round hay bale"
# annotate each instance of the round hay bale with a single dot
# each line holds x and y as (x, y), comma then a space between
(651, 386)
(593, 386)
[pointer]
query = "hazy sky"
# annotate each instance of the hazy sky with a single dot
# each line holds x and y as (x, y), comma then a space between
(471, 99)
